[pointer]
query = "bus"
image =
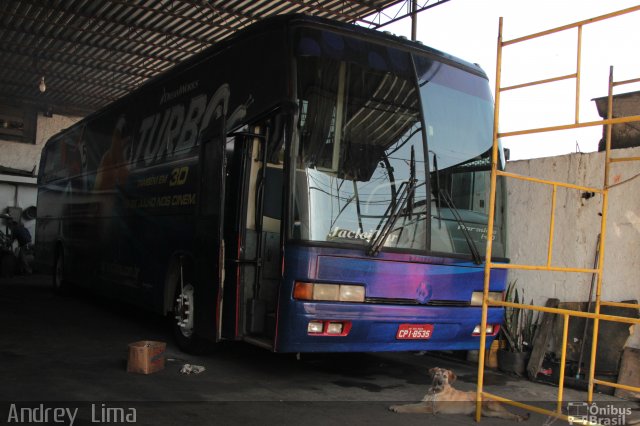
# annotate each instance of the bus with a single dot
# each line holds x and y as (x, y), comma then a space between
(304, 186)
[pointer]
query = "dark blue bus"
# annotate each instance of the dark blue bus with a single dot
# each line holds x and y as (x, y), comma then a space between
(303, 186)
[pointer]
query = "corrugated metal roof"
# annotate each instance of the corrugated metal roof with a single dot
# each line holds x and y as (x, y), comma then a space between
(93, 52)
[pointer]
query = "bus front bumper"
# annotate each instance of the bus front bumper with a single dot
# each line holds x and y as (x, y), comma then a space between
(375, 327)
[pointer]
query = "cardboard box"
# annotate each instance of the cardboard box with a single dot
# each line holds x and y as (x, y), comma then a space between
(146, 357)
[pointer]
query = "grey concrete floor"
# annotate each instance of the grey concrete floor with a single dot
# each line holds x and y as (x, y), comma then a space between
(71, 352)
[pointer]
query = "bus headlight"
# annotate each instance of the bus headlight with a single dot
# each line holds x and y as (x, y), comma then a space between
(328, 292)
(476, 297)
(351, 293)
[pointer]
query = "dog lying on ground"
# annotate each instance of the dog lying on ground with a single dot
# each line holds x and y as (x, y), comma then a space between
(443, 398)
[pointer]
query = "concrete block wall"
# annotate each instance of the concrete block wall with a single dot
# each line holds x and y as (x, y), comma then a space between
(25, 156)
(17, 191)
(577, 226)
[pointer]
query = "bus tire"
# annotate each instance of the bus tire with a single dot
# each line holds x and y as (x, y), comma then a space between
(59, 282)
(184, 304)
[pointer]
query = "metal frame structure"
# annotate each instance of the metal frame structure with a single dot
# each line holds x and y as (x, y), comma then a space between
(402, 9)
(596, 316)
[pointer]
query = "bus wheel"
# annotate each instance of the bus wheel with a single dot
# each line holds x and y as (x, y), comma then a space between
(60, 285)
(184, 320)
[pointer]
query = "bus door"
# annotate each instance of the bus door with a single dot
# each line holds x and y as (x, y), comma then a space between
(209, 243)
(260, 252)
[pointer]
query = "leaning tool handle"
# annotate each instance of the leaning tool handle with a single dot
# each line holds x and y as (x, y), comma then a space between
(586, 320)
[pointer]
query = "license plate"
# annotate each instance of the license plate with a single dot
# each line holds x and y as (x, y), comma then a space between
(414, 331)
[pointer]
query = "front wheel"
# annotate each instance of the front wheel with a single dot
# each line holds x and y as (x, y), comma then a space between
(184, 319)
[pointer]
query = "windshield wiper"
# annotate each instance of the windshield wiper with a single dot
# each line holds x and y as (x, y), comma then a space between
(393, 212)
(398, 204)
(444, 196)
(477, 259)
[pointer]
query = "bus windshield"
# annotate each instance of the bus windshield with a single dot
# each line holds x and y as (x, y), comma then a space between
(361, 143)
(362, 173)
(458, 111)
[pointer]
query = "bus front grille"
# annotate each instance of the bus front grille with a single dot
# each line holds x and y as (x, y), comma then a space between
(392, 301)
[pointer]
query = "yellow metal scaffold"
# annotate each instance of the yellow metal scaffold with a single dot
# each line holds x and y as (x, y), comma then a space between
(596, 316)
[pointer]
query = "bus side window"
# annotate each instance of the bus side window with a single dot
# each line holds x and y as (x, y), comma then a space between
(52, 162)
(271, 203)
(272, 209)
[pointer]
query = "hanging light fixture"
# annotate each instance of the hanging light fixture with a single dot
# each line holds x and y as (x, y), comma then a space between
(42, 86)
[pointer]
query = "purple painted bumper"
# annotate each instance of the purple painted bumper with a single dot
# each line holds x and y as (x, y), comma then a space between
(399, 288)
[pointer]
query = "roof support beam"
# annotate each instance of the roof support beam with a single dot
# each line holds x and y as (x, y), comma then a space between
(84, 61)
(75, 41)
(329, 12)
(420, 8)
(94, 52)
(173, 14)
(99, 82)
(126, 26)
(52, 92)
(216, 8)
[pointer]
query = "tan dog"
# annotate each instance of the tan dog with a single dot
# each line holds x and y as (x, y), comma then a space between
(443, 398)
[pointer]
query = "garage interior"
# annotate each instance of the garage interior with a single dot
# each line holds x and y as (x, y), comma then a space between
(64, 60)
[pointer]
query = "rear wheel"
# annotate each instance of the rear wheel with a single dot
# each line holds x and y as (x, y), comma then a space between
(60, 285)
